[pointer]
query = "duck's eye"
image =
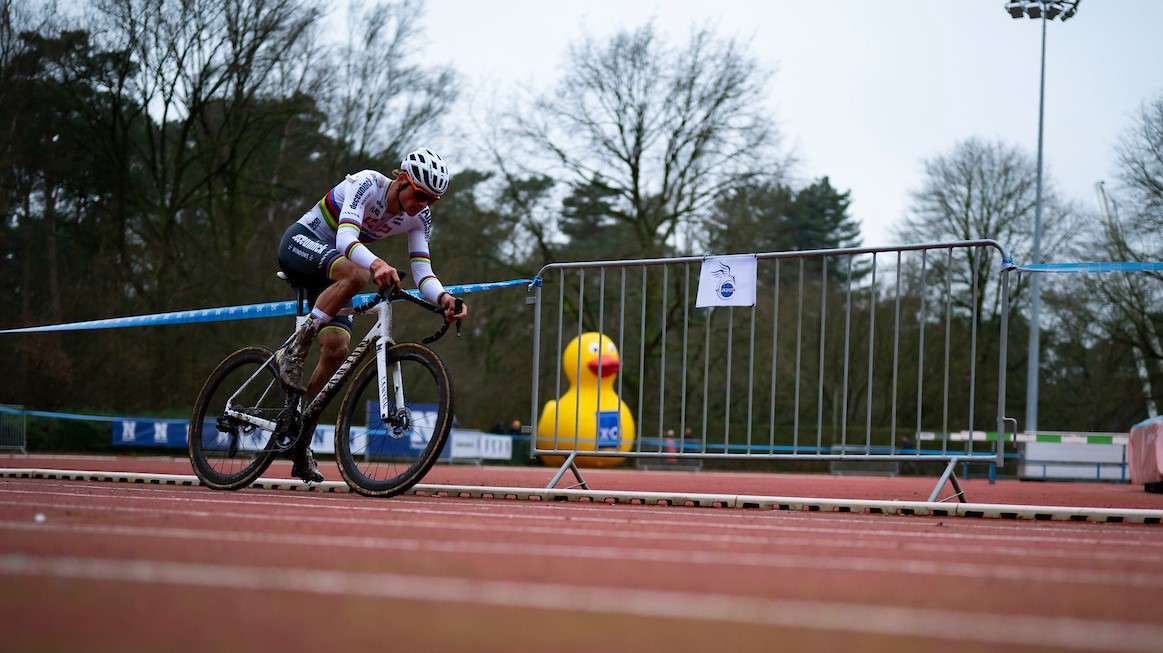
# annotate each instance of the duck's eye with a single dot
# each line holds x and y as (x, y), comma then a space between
(593, 347)
(611, 348)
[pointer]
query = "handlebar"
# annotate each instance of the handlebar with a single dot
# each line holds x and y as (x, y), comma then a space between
(394, 292)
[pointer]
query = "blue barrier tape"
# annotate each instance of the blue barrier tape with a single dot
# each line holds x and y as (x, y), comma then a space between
(248, 312)
(1093, 267)
(42, 413)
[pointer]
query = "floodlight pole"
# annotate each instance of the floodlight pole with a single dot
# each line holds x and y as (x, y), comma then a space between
(1032, 371)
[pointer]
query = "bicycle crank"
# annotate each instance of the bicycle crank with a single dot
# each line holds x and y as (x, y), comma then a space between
(288, 424)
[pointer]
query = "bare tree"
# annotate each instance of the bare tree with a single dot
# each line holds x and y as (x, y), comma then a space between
(382, 95)
(196, 99)
(658, 131)
(1129, 306)
(984, 190)
(1141, 172)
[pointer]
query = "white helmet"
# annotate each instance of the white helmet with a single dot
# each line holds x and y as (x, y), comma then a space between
(427, 170)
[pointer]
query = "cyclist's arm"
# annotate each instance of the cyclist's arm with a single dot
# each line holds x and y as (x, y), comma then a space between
(421, 260)
(361, 191)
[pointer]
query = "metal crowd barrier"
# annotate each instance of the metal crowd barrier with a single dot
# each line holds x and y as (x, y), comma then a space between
(13, 428)
(846, 355)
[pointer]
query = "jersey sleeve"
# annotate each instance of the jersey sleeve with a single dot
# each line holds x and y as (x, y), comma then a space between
(359, 193)
(421, 262)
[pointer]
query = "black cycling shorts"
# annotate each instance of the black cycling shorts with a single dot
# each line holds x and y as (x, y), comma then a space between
(307, 260)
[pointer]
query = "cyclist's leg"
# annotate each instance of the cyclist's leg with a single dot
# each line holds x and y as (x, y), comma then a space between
(333, 343)
(345, 279)
(331, 280)
(334, 340)
(311, 262)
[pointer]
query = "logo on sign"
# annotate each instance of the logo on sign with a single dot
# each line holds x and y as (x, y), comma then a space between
(609, 429)
(726, 286)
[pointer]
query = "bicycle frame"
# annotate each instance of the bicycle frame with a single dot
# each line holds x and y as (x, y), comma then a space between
(380, 336)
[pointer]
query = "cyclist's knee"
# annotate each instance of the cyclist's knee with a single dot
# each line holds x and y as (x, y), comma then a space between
(333, 343)
(350, 276)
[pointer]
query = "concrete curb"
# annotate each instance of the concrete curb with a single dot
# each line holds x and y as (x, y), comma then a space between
(754, 502)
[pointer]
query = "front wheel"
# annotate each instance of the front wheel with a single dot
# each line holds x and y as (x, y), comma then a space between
(228, 453)
(385, 452)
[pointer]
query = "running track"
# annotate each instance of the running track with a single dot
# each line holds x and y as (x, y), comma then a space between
(130, 566)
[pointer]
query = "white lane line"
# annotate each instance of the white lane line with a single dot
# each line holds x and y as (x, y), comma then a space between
(1063, 633)
(854, 564)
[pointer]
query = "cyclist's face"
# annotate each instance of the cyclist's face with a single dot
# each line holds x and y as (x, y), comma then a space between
(413, 198)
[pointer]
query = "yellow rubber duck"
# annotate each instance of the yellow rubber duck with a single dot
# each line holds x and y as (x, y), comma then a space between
(599, 428)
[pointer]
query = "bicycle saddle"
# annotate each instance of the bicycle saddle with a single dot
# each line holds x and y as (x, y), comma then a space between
(296, 282)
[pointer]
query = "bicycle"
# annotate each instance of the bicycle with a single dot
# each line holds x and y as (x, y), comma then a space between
(392, 425)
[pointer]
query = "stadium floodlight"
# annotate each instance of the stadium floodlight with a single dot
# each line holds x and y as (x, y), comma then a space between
(1046, 11)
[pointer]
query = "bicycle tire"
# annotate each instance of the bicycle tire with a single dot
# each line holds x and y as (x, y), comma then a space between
(234, 458)
(377, 459)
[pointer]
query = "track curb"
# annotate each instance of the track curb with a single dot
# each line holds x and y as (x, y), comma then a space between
(744, 501)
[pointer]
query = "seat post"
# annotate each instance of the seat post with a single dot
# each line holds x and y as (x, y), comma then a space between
(300, 293)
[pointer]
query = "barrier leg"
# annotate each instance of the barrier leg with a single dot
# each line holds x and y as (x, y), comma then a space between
(951, 477)
(571, 465)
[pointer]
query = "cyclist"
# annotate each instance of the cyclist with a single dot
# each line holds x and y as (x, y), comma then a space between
(325, 252)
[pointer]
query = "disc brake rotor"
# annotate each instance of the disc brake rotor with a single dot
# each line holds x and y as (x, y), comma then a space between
(399, 422)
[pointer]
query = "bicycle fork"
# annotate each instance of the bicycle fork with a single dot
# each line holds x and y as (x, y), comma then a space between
(393, 411)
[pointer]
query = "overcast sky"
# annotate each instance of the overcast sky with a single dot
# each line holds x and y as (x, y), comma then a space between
(865, 90)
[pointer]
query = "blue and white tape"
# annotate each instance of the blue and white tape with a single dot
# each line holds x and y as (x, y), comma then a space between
(1096, 266)
(226, 313)
(44, 413)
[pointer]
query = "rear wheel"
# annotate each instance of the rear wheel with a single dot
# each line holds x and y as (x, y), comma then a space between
(385, 457)
(227, 453)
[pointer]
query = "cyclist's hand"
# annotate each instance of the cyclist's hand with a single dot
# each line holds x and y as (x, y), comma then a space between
(384, 274)
(448, 302)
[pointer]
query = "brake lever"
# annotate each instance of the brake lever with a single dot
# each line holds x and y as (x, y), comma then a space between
(388, 294)
(443, 329)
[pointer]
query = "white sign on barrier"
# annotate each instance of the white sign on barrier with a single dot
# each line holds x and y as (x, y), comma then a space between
(727, 281)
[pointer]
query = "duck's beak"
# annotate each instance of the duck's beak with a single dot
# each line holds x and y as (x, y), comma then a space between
(609, 366)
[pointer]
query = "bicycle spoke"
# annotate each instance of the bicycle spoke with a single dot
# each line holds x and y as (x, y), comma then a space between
(226, 450)
(384, 450)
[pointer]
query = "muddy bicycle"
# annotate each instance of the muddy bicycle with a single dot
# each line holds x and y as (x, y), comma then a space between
(392, 424)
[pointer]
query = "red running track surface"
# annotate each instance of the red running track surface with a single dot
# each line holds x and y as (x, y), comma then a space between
(119, 566)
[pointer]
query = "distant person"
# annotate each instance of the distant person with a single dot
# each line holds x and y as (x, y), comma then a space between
(671, 445)
(515, 427)
(325, 252)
